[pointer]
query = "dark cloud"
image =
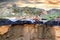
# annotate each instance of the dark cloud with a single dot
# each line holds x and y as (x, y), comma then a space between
(8, 0)
(13, 0)
(25, 1)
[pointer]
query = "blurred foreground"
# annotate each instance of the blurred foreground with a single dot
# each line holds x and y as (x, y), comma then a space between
(29, 32)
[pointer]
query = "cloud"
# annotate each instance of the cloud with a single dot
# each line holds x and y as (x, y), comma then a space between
(13, 0)
(8, 0)
(25, 1)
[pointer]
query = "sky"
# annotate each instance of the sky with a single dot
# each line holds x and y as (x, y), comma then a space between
(26, 1)
(8, 0)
